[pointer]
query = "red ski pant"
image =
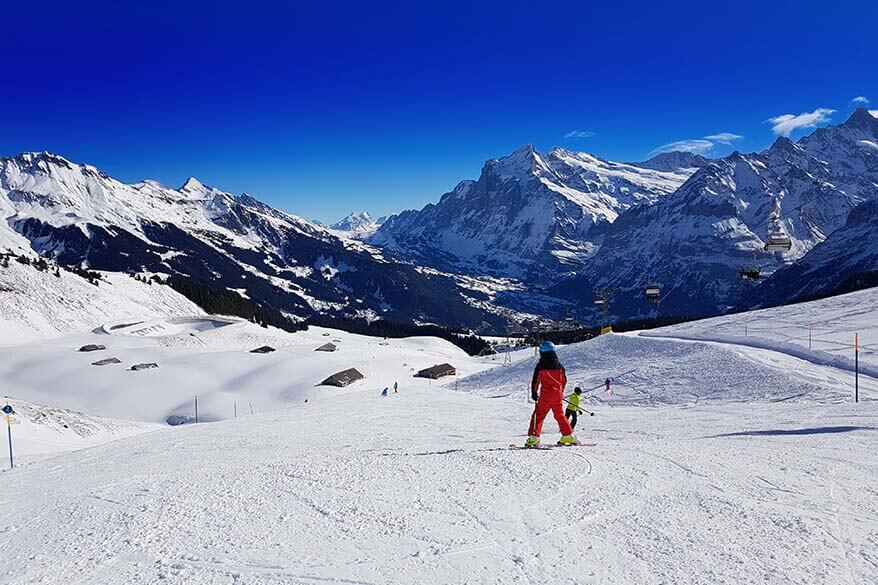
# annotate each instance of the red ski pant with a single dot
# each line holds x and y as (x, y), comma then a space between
(544, 405)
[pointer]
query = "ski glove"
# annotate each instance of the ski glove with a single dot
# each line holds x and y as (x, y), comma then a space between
(535, 395)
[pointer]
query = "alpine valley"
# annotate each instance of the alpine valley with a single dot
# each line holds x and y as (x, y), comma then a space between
(536, 236)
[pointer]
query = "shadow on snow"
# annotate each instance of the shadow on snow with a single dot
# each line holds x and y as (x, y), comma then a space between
(782, 432)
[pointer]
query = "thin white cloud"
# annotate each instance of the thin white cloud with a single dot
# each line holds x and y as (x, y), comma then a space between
(860, 100)
(698, 145)
(579, 134)
(723, 138)
(695, 146)
(786, 124)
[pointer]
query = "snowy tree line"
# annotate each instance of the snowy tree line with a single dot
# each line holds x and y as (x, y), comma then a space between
(224, 302)
(43, 265)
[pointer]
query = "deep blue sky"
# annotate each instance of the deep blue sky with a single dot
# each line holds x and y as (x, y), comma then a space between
(321, 107)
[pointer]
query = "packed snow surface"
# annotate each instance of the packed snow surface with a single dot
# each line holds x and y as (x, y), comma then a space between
(710, 462)
(419, 487)
(823, 331)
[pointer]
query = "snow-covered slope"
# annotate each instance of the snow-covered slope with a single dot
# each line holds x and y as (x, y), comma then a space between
(710, 464)
(209, 358)
(77, 214)
(695, 241)
(41, 431)
(38, 303)
(821, 331)
(529, 215)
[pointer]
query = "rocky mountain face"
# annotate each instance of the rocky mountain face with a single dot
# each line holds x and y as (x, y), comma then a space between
(530, 216)
(78, 215)
(674, 161)
(695, 241)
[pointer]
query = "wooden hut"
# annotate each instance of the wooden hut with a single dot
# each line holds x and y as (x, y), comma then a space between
(437, 371)
(343, 378)
(92, 347)
(146, 366)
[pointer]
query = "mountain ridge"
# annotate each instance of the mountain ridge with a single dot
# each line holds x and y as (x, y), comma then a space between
(697, 241)
(79, 215)
(529, 215)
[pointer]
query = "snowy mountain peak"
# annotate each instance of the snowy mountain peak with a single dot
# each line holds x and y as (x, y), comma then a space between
(523, 151)
(862, 119)
(355, 218)
(782, 144)
(528, 215)
(674, 161)
(522, 164)
(358, 224)
(560, 151)
(152, 183)
(44, 156)
(194, 185)
(42, 163)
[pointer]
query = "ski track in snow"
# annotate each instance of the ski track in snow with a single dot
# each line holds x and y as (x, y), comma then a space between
(417, 487)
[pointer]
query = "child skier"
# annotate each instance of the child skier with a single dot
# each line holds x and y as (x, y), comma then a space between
(547, 390)
(573, 406)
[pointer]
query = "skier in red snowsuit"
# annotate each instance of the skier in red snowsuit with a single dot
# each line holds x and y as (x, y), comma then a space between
(547, 390)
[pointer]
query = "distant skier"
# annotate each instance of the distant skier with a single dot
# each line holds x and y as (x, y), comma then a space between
(395, 387)
(384, 392)
(573, 406)
(607, 384)
(547, 390)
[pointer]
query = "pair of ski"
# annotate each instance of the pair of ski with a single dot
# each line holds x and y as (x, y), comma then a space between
(549, 446)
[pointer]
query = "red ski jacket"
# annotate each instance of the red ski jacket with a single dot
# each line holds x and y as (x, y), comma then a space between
(550, 383)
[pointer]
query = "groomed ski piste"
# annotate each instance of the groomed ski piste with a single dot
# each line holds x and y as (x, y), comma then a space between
(715, 461)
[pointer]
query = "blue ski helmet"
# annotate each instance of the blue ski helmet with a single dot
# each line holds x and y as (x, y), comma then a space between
(547, 346)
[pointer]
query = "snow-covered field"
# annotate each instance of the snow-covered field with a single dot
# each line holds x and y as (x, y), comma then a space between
(713, 462)
(213, 363)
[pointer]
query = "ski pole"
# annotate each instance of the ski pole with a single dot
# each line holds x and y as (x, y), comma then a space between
(580, 408)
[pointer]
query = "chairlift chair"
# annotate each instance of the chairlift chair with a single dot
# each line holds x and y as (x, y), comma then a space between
(752, 273)
(653, 291)
(778, 242)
